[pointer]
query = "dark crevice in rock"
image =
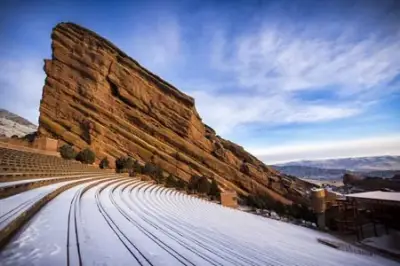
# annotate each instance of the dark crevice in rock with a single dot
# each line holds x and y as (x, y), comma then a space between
(114, 88)
(85, 127)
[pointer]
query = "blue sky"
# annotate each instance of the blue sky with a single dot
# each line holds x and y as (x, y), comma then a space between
(288, 80)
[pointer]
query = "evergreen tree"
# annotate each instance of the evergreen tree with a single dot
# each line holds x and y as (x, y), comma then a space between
(119, 164)
(137, 168)
(279, 207)
(203, 186)
(155, 172)
(214, 191)
(129, 163)
(86, 156)
(180, 184)
(170, 181)
(125, 164)
(104, 163)
(149, 169)
(67, 152)
(193, 183)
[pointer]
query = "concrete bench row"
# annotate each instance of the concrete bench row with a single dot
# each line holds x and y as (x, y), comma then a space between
(9, 190)
(20, 165)
(37, 160)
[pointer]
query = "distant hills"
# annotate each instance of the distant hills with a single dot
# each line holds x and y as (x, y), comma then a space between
(378, 166)
(12, 124)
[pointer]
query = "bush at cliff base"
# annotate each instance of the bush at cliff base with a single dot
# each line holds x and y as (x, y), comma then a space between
(86, 156)
(125, 164)
(104, 163)
(67, 152)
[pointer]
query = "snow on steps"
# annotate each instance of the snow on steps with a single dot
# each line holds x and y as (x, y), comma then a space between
(9, 230)
(11, 188)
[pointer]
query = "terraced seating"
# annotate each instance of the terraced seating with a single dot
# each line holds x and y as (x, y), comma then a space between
(22, 170)
(15, 156)
(29, 180)
(15, 164)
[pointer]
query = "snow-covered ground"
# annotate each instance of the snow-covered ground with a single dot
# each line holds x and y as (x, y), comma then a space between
(26, 181)
(44, 240)
(12, 206)
(385, 242)
(125, 221)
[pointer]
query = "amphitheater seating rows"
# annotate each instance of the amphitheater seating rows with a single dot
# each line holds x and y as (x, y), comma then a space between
(14, 162)
(16, 165)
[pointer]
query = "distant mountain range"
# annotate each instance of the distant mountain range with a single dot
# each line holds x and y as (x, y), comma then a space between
(379, 166)
(12, 124)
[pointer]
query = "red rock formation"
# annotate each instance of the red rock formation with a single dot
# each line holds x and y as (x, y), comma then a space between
(97, 96)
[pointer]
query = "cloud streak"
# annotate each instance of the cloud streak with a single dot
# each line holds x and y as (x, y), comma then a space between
(279, 59)
(375, 146)
(274, 66)
(21, 83)
(226, 112)
(158, 44)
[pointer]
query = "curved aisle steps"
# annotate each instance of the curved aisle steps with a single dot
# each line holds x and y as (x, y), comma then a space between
(229, 249)
(135, 197)
(181, 253)
(213, 240)
(139, 239)
(194, 240)
(74, 232)
(237, 244)
(140, 258)
(277, 238)
(273, 254)
(10, 189)
(100, 244)
(174, 236)
(43, 240)
(220, 239)
(27, 181)
(224, 243)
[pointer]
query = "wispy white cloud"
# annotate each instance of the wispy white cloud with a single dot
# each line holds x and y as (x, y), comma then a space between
(21, 82)
(278, 58)
(225, 112)
(373, 146)
(273, 66)
(157, 44)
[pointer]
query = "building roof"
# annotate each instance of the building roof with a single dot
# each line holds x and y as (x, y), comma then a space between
(377, 195)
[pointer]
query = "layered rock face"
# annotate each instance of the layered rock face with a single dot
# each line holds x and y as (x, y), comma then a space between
(95, 95)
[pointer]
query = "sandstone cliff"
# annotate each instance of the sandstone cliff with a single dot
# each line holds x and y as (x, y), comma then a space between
(95, 95)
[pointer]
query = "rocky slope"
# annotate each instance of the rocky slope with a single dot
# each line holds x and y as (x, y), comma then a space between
(95, 95)
(12, 124)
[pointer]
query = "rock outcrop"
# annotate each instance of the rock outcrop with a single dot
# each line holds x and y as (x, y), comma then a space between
(12, 124)
(95, 95)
